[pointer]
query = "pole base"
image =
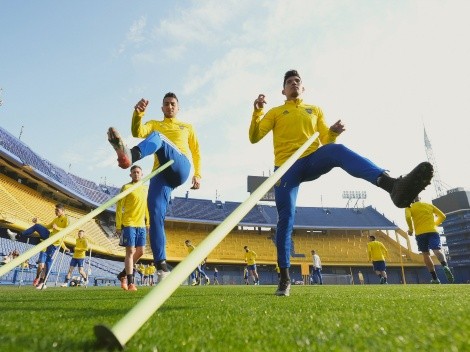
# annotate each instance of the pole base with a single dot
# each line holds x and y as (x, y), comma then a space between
(106, 338)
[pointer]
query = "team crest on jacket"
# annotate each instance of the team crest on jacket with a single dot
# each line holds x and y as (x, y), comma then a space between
(181, 127)
(285, 112)
(309, 111)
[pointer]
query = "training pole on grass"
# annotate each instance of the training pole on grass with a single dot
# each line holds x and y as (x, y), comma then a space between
(47, 242)
(48, 272)
(22, 268)
(59, 267)
(119, 334)
(87, 272)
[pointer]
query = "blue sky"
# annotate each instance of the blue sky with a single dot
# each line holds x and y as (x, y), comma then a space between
(69, 70)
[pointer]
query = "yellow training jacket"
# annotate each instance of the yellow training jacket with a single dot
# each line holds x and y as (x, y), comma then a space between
(250, 257)
(61, 222)
(132, 209)
(292, 124)
(81, 246)
(424, 217)
(181, 134)
(376, 251)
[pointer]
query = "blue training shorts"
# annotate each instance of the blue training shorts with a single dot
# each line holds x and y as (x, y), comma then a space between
(133, 236)
(379, 265)
(427, 241)
(75, 261)
(48, 252)
(42, 257)
(251, 267)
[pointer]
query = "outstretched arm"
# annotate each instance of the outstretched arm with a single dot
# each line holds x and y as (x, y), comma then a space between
(259, 126)
(137, 128)
(196, 156)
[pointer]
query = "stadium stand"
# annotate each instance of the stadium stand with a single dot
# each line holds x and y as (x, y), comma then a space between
(30, 186)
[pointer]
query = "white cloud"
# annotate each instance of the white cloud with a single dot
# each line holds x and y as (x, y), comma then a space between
(143, 58)
(135, 34)
(385, 69)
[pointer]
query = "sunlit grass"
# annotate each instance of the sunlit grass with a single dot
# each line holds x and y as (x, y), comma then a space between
(244, 318)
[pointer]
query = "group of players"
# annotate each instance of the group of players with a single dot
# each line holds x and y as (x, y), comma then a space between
(46, 256)
(292, 124)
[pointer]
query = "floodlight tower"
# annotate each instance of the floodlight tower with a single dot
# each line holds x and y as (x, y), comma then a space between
(436, 180)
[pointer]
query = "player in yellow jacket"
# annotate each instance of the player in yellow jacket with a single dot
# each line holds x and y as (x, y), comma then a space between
(151, 272)
(167, 139)
(292, 124)
(140, 268)
(78, 258)
(132, 222)
(377, 254)
(423, 219)
(200, 273)
(59, 223)
(250, 259)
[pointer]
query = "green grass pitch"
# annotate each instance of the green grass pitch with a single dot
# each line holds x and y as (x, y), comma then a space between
(244, 318)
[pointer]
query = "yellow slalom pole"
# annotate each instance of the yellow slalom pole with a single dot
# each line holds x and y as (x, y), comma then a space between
(119, 334)
(46, 243)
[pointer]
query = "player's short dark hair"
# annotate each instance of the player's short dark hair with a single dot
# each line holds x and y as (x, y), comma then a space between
(289, 74)
(372, 237)
(171, 95)
(60, 206)
(135, 167)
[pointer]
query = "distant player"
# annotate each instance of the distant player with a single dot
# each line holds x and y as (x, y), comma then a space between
(45, 231)
(423, 219)
(78, 258)
(377, 253)
(140, 268)
(132, 221)
(146, 275)
(216, 276)
(360, 276)
(151, 272)
(200, 273)
(250, 259)
(317, 277)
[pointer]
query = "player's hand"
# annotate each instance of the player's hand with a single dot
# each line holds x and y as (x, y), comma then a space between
(410, 233)
(118, 232)
(260, 102)
(196, 182)
(141, 105)
(337, 127)
(35, 220)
